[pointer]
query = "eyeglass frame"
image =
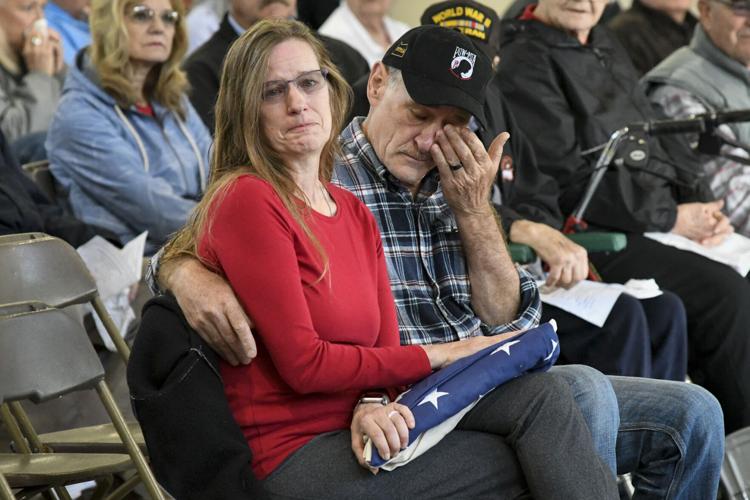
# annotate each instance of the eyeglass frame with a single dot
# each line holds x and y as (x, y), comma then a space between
(168, 17)
(324, 72)
(741, 9)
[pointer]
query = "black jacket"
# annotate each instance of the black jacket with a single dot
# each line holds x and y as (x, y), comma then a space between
(204, 67)
(196, 449)
(650, 35)
(569, 98)
(25, 209)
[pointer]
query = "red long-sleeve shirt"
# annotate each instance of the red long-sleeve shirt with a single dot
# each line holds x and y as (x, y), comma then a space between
(319, 344)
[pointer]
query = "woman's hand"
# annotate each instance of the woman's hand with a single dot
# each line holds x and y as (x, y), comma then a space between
(441, 355)
(42, 51)
(386, 426)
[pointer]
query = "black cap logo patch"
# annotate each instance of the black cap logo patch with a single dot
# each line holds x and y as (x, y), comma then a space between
(400, 49)
(462, 65)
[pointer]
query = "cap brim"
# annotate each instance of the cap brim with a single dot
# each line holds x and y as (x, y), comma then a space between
(427, 92)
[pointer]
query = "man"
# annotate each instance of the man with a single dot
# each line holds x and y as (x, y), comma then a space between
(204, 66)
(640, 338)
(579, 90)
(650, 30)
(712, 74)
(70, 18)
(450, 272)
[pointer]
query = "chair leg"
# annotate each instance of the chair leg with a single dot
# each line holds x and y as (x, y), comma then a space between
(5, 492)
(111, 328)
(127, 438)
(15, 432)
(28, 430)
(125, 488)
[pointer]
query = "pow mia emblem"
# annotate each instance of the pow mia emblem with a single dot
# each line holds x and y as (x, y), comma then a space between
(462, 65)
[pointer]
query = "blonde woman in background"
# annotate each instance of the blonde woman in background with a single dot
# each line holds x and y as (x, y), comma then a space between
(125, 142)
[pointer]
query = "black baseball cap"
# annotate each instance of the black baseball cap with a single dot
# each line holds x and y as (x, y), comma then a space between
(477, 21)
(442, 67)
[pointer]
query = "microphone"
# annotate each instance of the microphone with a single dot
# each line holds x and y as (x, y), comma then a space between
(700, 124)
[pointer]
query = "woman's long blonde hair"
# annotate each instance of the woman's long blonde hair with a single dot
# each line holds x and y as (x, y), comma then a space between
(240, 146)
(166, 83)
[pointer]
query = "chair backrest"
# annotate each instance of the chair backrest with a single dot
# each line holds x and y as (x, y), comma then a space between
(735, 471)
(40, 173)
(44, 354)
(37, 267)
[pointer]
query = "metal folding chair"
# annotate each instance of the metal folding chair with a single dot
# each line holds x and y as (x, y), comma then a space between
(42, 176)
(735, 471)
(5, 492)
(44, 354)
(40, 268)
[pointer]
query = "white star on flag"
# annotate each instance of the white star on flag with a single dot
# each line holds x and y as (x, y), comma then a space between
(554, 346)
(433, 398)
(505, 347)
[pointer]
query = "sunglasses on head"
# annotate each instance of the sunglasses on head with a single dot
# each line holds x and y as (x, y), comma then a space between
(144, 14)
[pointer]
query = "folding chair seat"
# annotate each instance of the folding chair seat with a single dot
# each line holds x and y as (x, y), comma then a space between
(41, 268)
(44, 354)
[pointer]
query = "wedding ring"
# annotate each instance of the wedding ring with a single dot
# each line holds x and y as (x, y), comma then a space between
(456, 167)
(36, 40)
(391, 413)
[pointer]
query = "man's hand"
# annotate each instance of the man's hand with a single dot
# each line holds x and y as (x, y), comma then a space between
(211, 309)
(568, 262)
(386, 426)
(703, 222)
(467, 170)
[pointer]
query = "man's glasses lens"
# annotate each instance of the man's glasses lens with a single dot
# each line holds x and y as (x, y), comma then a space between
(143, 14)
(309, 83)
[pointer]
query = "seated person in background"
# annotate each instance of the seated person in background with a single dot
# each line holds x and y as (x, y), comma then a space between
(204, 66)
(25, 209)
(645, 338)
(70, 18)
(326, 323)
(650, 30)
(365, 25)
(203, 21)
(31, 75)
(315, 12)
(712, 75)
(459, 282)
(580, 89)
(125, 141)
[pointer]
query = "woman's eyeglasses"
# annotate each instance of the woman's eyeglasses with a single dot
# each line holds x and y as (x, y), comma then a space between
(308, 83)
(145, 15)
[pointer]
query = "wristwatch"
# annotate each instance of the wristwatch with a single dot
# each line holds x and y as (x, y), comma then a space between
(374, 397)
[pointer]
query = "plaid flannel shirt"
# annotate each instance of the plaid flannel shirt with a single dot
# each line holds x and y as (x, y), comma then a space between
(423, 250)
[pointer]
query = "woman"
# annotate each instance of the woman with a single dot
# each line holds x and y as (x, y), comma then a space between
(125, 141)
(306, 261)
(31, 68)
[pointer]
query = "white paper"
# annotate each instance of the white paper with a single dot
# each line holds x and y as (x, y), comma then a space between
(734, 250)
(592, 301)
(113, 269)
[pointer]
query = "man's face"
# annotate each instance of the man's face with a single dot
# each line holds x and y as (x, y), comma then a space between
(247, 12)
(572, 15)
(364, 8)
(402, 131)
(728, 28)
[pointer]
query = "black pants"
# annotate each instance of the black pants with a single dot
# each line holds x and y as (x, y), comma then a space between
(641, 338)
(717, 301)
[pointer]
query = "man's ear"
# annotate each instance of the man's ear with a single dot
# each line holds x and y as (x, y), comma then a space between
(704, 12)
(377, 84)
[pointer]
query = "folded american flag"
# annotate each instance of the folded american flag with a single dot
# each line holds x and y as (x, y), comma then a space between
(439, 401)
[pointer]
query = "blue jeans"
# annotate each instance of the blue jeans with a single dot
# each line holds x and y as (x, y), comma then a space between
(670, 434)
